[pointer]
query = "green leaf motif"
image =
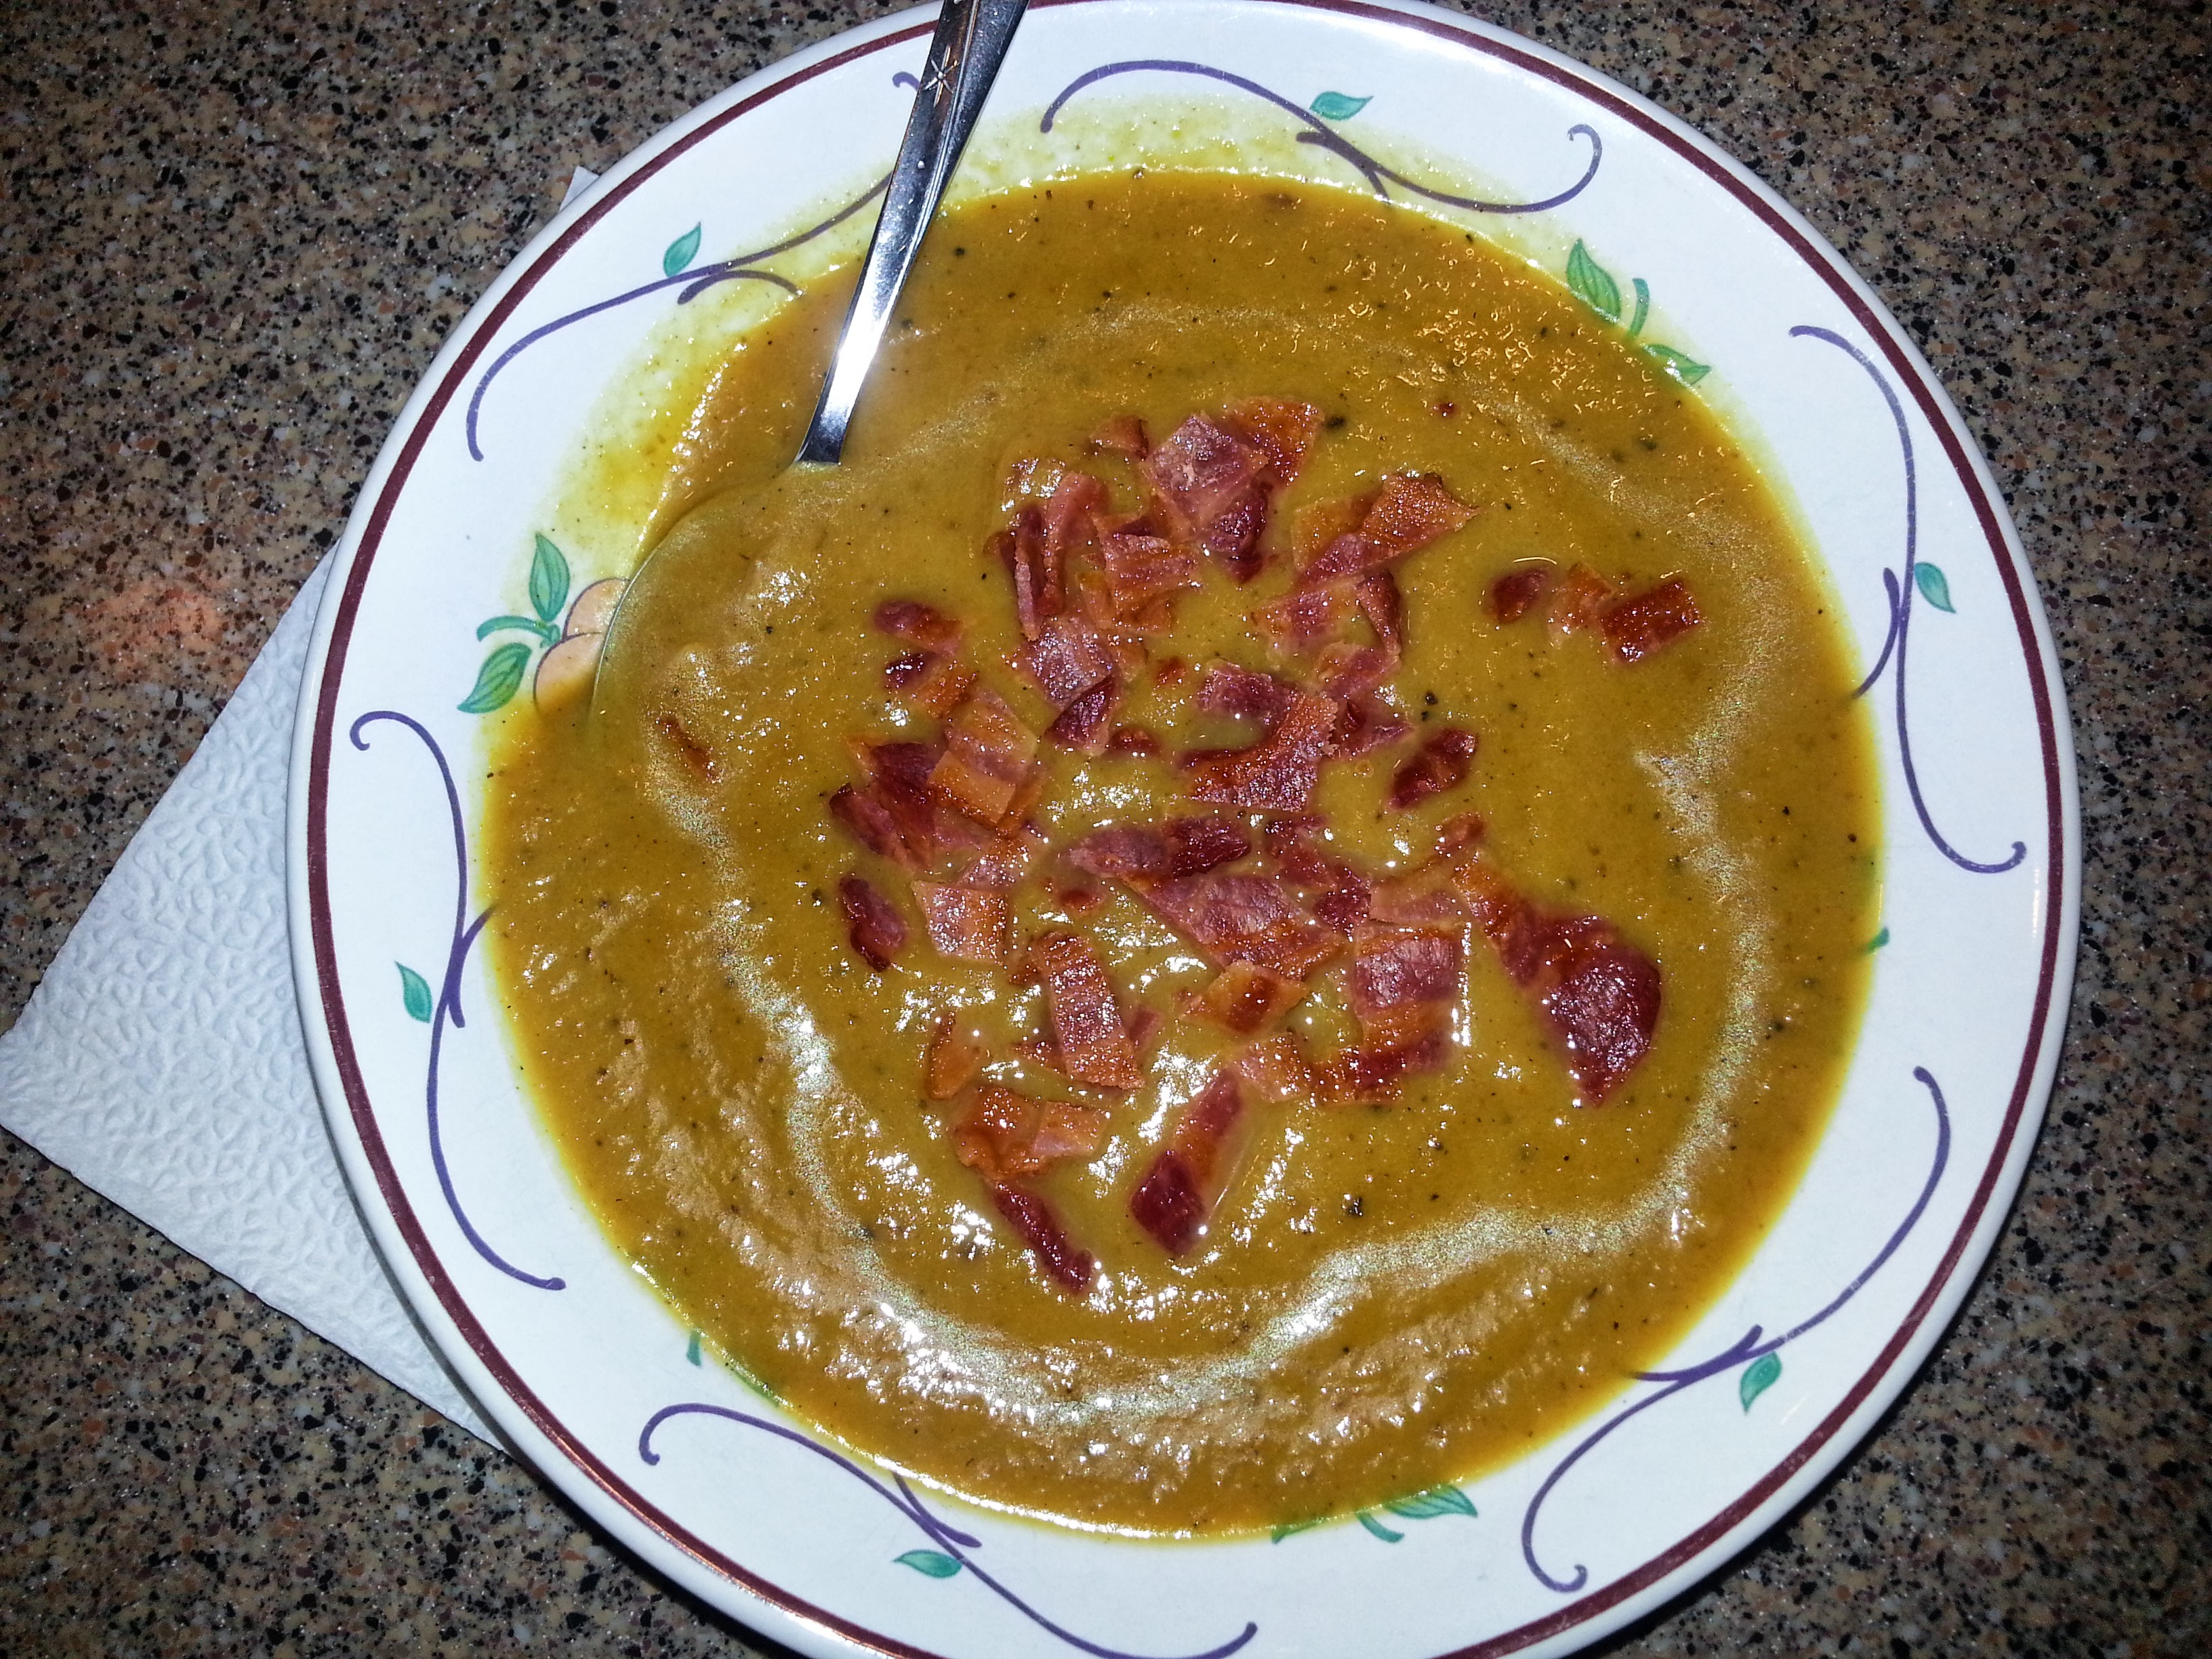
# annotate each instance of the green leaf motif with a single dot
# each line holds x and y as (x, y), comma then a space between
(545, 631)
(415, 992)
(549, 581)
(691, 1349)
(1593, 284)
(1876, 943)
(1642, 307)
(1757, 1377)
(1338, 106)
(934, 1563)
(1935, 587)
(1436, 1501)
(1680, 364)
(1288, 1529)
(1379, 1529)
(681, 251)
(498, 679)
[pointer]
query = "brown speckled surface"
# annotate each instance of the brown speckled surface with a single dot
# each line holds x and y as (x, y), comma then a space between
(232, 239)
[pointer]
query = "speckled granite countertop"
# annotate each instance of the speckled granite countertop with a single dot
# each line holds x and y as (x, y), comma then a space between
(233, 238)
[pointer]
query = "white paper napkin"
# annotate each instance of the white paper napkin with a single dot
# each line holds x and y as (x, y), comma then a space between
(161, 1060)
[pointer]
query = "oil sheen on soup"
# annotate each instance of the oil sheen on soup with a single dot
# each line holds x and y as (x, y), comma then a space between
(1248, 907)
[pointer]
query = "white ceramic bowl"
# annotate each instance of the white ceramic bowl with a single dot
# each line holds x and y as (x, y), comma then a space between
(589, 1375)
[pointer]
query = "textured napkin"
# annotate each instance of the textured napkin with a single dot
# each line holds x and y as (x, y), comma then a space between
(161, 1059)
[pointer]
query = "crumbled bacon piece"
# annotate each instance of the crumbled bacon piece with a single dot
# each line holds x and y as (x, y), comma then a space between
(988, 751)
(1084, 725)
(1277, 1070)
(1244, 996)
(1366, 726)
(1234, 917)
(1443, 760)
(1179, 846)
(1579, 600)
(893, 814)
(1228, 688)
(1141, 567)
(1086, 1021)
(1004, 1134)
(919, 625)
(871, 923)
(1416, 900)
(1068, 514)
(1040, 593)
(1281, 430)
(1384, 604)
(1600, 994)
(1181, 1186)
(1520, 589)
(1641, 624)
(1374, 1072)
(966, 922)
(1276, 775)
(1065, 658)
(1305, 618)
(1124, 434)
(1064, 1261)
(1212, 490)
(907, 669)
(1398, 968)
(956, 1056)
(690, 749)
(1144, 1024)
(1408, 513)
(1132, 740)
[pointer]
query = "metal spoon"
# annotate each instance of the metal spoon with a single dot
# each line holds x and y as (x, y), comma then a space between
(964, 55)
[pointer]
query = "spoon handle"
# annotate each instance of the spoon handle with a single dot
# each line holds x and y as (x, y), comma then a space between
(964, 54)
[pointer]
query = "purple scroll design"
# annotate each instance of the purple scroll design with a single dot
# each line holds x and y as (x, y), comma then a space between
(693, 283)
(1900, 592)
(954, 1544)
(448, 1004)
(1322, 135)
(1747, 1349)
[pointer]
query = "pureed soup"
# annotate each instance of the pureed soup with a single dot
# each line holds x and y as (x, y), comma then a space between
(1252, 905)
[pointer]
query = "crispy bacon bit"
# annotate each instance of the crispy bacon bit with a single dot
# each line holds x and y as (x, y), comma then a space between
(1004, 1134)
(1384, 606)
(1039, 591)
(1064, 1261)
(1408, 513)
(1144, 1024)
(893, 814)
(1443, 761)
(1086, 1022)
(1305, 618)
(1180, 846)
(1068, 514)
(1124, 434)
(1081, 900)
(1065, 658)
(1246, 693)
(874, 927)
(1398, 968)
(1520, 589)
(1277, 1070)
(1141, 567)
(1416, 900)
(966, 922)
(1276, 775)
(1367, 725)
(1211, 488)
(1600, 994)
(1579, 600)
(1639, 625)
(1348, 671)
(1374, 1072)
(870, 823)
(1282, 431)
(1342, 903)
(1085, 724)
(1132, 740)
(907, 669)
(1461, 831)
(1179, 1190)
(919, 625)
(988, 751)
(1244, 996)
(1234, 917)
(955, 1055)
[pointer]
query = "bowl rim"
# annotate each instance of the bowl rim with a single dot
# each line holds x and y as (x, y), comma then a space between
(611, 1500)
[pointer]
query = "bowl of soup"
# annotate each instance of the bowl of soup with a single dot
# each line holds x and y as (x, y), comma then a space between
(1289, 970)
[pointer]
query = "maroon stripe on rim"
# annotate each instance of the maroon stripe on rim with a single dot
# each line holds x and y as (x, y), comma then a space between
(1885, 339)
